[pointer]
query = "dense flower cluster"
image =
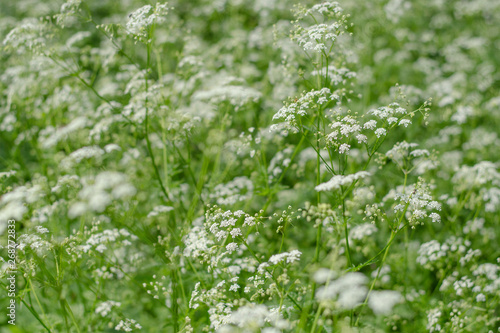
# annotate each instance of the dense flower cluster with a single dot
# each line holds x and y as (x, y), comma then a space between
(250, 166)
(320, 37)
(143, 18)
(310, 100)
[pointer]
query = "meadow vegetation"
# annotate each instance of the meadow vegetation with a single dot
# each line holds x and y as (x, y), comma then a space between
(251, 165)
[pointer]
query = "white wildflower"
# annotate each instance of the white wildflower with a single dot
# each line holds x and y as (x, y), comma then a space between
(143, 18)
(159, 210)
(289, 257)
(380, 132)
(344, 148)
(105, 308)
(348, 290)
(339, 180)
(382, 302)
(371, 124)
(231, 247)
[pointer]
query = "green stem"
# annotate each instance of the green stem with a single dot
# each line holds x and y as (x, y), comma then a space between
(346, 233)
(72, 316)
(32, 287)
(175, 306)
(393, 234)
(33, 312)
(146, 127)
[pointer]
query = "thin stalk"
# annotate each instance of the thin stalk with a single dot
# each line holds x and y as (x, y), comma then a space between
(346, 234)
(175, 306)
(393, 234)
(318, 193)
(146, 127)
(394, 231)
(72, 316)
(32, 287)
(33, 312)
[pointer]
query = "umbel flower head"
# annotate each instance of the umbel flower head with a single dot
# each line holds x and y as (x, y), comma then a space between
(329, 24)
(140, 20)
(340, 180)
(300, 107)
(30, 36)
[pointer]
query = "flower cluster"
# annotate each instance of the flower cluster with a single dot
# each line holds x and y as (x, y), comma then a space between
(128, 325)
(98, 192)
(253, 318)
(320, 37)
(31, 36)
(170, 177)
(239, 189)
(403, 152)
(415, 203)
(98, 241)
(337, 181)
(431, 254)
(144, 18)
(311, 100)
(227, 89)
(348, 290)
(14, 203)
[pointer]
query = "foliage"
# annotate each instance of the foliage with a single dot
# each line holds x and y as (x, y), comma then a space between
(251, 166)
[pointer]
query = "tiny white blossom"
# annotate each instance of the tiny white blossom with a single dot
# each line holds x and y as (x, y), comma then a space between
(339, 180)
(344, 148)
(234, 287)
(231, 247)
(435, 217)
(371, 124)
(380, 132)
(141, 19)
(235, 232)
(361, 138)
(404, 122)
(382, 302)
